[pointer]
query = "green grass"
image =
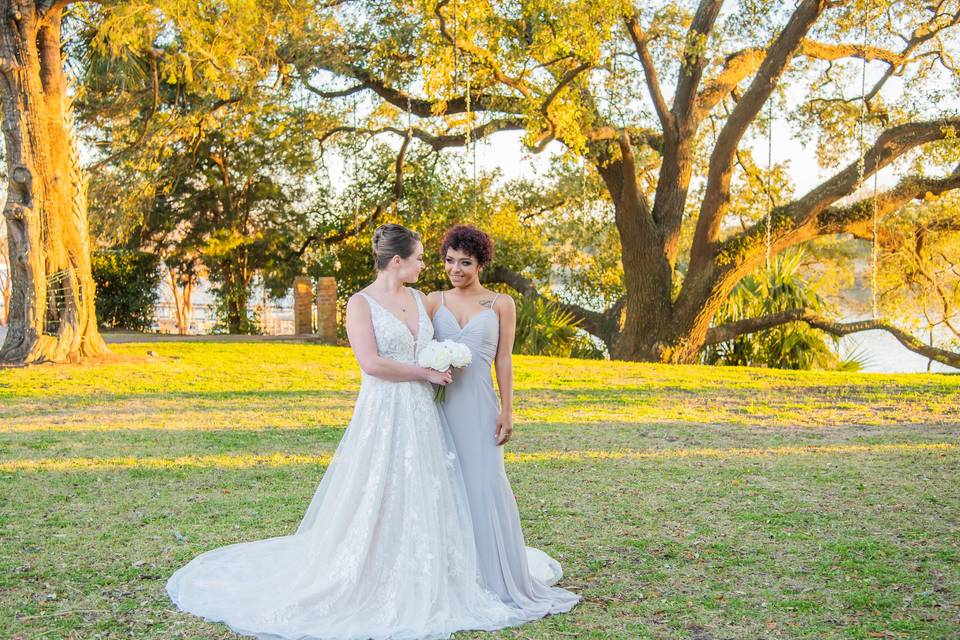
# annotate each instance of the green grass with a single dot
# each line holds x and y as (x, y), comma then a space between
(820, 543)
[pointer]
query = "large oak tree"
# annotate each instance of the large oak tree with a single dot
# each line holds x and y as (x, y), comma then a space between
(666, 101)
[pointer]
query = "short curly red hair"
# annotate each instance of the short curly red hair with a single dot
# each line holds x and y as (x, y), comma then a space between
(471, 241)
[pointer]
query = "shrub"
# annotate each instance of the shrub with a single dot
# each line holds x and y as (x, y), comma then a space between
(793, 345)
(127, 288)
(544, 329)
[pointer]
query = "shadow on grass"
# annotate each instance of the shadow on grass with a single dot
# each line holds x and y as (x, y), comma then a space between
(802, 547)
(100, 397)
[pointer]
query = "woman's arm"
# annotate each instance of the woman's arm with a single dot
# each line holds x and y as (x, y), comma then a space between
(503, 364)
(364, 345)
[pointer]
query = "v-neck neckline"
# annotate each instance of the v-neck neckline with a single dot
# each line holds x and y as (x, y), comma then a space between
(467, 324)
(416, 303)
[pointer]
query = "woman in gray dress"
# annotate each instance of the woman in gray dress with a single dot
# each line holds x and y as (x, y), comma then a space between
(480, 424)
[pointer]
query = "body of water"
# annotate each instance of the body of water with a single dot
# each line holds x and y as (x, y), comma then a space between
(885, 354)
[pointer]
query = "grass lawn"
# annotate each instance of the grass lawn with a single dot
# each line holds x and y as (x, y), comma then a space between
(683, 502)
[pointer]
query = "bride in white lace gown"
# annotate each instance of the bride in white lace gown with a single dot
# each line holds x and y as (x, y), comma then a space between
(386, 548)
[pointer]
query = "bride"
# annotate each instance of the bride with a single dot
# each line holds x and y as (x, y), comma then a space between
(386, 548)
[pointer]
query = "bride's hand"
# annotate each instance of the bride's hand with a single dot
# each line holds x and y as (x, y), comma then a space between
(439, 377)
(504, 428)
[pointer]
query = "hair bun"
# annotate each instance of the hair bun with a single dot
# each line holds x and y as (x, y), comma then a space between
(392, 240)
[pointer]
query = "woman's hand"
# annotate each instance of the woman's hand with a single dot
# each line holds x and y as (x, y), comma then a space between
(504, 427)
(439, 377)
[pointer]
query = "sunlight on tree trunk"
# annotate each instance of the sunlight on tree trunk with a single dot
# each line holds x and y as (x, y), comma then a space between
(52, 315)
(4, 274)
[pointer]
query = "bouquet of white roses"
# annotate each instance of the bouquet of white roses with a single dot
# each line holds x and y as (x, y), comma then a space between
(440, 356)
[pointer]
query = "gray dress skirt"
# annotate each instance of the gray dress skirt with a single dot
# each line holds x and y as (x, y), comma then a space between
(521, 576)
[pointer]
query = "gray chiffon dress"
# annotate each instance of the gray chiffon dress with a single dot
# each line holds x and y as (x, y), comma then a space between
(521, 576)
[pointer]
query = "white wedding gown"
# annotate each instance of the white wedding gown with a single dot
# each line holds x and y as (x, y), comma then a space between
(386, 548)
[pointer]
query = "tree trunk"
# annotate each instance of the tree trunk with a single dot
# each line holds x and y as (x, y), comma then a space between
(236, 288)
(236, 312)
(4, 282)
(182, 287)
(52, 314)
(688, 334)
(5, 310)
(655, 328)
(646, 271)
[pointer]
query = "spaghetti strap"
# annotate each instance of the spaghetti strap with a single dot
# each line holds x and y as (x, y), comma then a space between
(495, 296)
(442, 301)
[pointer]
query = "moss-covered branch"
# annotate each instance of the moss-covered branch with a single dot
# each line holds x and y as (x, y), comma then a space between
(731, 330)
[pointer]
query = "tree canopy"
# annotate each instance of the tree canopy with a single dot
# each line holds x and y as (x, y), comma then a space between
(658, 205)
(666, 103)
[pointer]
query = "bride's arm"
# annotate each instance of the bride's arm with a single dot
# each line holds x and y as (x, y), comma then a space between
(503, 364)
(364, 345)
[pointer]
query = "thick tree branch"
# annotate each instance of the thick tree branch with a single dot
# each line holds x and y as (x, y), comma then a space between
(638, 137)
(717, 194)
(736, 68)
(731, 330)
(890, 145)
(694, 59)
(435, 141)
(337, 93)
(603, 325)
(673, 184)
(633, 198)
(477, 101)
(857, 218)
(418, 106)
(650, 73)
(811, 216)
(836, 51)
(801, 221)
(742, 64)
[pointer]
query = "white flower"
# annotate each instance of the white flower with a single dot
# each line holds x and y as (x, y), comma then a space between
(441, 356)
(460, 354)
(434, 356)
